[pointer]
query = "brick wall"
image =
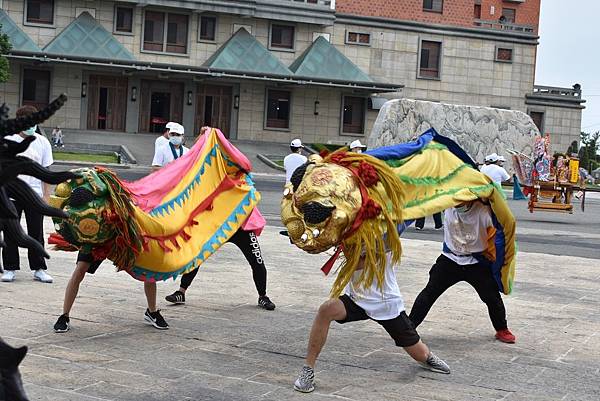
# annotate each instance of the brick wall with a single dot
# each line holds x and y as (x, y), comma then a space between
(456, 12)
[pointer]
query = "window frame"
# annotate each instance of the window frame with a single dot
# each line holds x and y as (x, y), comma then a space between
(364, 115)
(165, 33)
(117, 32)
(504, 47)
(22, 83)
(358, 33)
(266, 110)
(216, 18)
(39, 24)
(440, 58)
(282, 49)
(514, 21)
(432, 10)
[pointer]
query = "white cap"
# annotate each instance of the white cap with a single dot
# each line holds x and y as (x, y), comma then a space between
(170, 125)
(296, 143)
(357, 144)
(501, 159)
(491, 158)
(176, 128)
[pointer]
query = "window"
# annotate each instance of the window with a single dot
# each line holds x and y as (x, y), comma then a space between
(509, 15)
(123, 19)
(353, 115)
(429, 62)
(36, 88)
(171, 40)
(40, 11)
(477, 11)
(504, 54)
(278, 109)
(538, 119)
(358, 38)
(282, 36)
(208, 28)
(433, 5)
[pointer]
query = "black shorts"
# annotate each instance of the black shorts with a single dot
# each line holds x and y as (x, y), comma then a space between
(400, 328)
(87, 257)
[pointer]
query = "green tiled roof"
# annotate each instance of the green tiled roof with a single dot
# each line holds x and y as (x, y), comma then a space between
(243, 53)
(85, 37)
(18, 39)
(323, 61)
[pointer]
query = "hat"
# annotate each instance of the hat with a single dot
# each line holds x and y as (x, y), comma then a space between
(176, 128)
(170, 125)
(296, 143)
(501, 159)
(357, 144)
(491, 158)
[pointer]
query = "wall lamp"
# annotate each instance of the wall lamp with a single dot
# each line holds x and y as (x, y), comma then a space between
(316, 111)
(190, 98)
(133, 93)
(83, 89)
(236, 102)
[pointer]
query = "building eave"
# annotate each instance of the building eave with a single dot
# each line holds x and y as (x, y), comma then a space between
(370, 87)
(439, 29)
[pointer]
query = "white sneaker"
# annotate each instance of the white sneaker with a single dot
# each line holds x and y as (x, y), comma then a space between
(41, 275)
(8, 276)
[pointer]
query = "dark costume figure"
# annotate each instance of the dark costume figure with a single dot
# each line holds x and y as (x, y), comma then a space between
(11, 165)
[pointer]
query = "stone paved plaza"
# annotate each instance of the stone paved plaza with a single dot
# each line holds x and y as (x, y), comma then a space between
(221, 346)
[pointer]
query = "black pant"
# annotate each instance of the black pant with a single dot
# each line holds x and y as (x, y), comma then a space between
(247, 241)
(35, 229)
(444, 274)
(437, 218)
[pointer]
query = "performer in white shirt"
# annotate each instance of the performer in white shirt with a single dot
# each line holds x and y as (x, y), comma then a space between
(497, 173)
(294, 159)
(172, 150)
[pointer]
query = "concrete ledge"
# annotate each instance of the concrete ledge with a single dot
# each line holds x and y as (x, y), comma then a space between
(265, 159)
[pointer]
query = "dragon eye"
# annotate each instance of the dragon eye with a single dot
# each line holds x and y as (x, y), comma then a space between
(80, 196)
(315, 213)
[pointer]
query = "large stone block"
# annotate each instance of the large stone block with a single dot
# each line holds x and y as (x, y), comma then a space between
(478, 130)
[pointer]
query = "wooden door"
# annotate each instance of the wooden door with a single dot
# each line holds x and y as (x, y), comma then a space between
(107, 102)
(214, 104)
(172, 90)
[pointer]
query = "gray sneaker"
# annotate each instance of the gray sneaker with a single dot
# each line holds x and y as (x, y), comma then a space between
(435, 364)
(305, 383)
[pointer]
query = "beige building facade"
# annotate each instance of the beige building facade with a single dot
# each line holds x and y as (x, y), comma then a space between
(280, 70)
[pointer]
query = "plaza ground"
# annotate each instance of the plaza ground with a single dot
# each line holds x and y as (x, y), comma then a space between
(221, 346)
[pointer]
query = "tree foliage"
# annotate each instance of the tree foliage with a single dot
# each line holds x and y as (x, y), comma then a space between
(4, 49)
(588, 153)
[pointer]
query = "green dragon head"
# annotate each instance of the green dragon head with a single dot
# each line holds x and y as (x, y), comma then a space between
(87, 202)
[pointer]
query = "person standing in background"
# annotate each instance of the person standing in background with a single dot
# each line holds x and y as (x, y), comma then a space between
(294, 159)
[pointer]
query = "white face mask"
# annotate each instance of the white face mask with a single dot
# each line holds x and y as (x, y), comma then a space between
(358, 150)
(30, 131)
(176, 140)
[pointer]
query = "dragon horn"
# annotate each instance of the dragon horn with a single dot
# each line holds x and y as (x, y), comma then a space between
(14, 231)
(14, 148)
(7, 208)
(23, 194)
(38, 171)
(12, 126)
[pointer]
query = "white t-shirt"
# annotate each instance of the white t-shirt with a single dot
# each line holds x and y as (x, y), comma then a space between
(291, 163)
(39, 151)
(496, 173)
(378, 304)
(466, 233)
(164, 155)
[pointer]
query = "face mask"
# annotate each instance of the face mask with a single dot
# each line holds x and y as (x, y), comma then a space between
(176, 140)
(358, 151)
(30, 131)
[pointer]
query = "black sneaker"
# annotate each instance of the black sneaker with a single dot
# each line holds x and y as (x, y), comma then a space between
(177, 298)
(156, 319)
(265, 303)
(62, 324)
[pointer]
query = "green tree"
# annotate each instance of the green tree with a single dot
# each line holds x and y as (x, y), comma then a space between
(588, 153)
(4, 49)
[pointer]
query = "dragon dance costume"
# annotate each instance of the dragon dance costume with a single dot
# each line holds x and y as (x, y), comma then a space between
(165, 224)
(356, 202)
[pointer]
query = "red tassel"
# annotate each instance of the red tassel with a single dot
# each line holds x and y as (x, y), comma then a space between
(329, 264)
